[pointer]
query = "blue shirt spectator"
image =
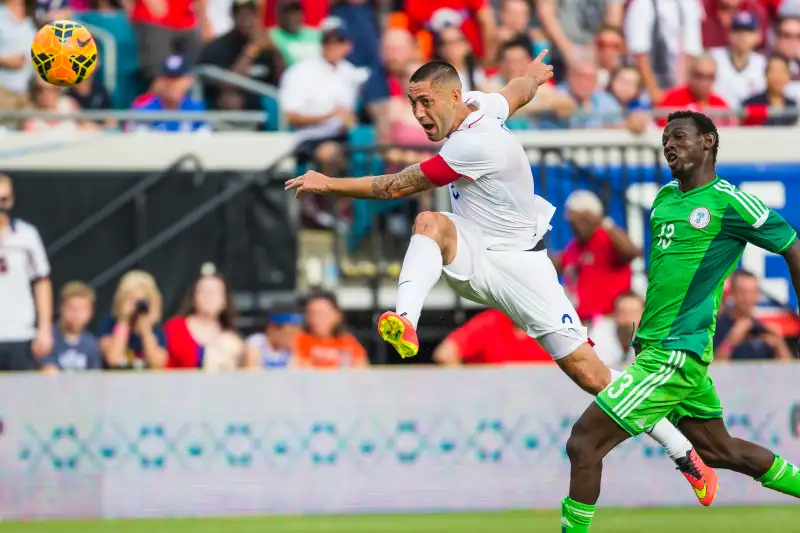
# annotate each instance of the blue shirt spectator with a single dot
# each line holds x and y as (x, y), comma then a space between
(74, 348)
(172, 94)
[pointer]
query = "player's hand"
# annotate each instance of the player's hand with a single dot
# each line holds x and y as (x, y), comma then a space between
(740, 330)
(310, 182)
(538, 70)
(16, 62)
(43, 343)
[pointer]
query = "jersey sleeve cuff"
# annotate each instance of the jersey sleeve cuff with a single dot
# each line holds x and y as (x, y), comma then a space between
(438, 171)
(789, 244)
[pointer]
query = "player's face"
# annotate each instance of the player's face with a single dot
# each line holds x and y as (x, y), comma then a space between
(434, 107)
(6, 196)
(684, 147)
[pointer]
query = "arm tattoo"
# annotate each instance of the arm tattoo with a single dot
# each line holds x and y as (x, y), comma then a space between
(405, 183)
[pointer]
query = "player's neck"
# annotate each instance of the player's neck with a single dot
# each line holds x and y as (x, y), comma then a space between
(461, 115)
(697, 180)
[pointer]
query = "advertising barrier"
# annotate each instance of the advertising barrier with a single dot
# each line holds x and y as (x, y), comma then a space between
(125, 445)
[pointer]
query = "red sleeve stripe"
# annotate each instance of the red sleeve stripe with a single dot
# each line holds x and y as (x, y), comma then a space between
(438, 171)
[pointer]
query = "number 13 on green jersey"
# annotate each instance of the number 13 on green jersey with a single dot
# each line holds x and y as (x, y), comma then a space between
(698, 238)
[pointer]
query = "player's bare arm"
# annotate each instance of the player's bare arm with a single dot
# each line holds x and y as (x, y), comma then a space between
(521, 90)
(402, 184)
(792, 257)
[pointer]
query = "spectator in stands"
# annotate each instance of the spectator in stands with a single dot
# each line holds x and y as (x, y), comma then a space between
(515, 22)
(595, 108)
(490, 337)
(26, 294)
(609, 46)
(740, 335)
(475, 19)
(293, 40)
(571, 26)
(787, 44)
(697, 95)
(48, 11)
(325, 343)
(612, 335)
(171, 93)
(169, 27)
(626, 86)
(313, 12)
(54, 99)
(663, 37)
(514, 58)
(740, 70)
(319, 98)
(596, 262)
(719, 17)
(275, 345)
(203, 335)
(92, 95)
(361, 20)
(398, 56)
(451, 45)
(246, 50)
(16, 70)
(221, 17)
(74, 348)
(758, 107)
(132, 337)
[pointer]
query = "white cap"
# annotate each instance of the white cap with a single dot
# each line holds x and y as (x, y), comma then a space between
(584, 201)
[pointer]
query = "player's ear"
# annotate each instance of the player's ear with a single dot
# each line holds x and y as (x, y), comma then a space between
(709, 139)
(456, 95)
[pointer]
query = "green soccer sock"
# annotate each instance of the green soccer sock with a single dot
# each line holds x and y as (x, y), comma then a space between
(783, 477)
(576, 517)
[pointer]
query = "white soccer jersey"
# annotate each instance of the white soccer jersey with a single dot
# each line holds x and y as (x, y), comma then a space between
(490, 178)
(22, 261)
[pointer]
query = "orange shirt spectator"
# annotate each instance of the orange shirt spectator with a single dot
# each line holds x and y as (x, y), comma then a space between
(697, 95)
(490, 337)
(334, 352)
(326, 344)
(474, 17)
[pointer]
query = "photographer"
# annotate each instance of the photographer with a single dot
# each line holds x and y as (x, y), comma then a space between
(132, 337)
(740, 335)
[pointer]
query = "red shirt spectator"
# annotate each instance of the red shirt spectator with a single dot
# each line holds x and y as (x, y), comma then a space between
(718, 15)
(178, 14)
(596, 263)
(490, 338)
(596, 274)
(697, 95)
(433, 14)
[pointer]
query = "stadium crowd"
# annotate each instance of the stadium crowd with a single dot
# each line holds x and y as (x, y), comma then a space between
(134, 334)
(616, 60)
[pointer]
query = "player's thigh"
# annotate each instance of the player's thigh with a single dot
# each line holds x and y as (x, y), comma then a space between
(650, 389)
(580, 363)
(467, 273)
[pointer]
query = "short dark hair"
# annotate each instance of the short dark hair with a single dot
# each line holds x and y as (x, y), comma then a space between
(741, 273)
(777, 57)
(520, 42)
(608, 27)
(701, 122)
(436, 71)
(780, 20)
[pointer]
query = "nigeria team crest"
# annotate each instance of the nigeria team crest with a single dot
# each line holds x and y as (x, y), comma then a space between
(700, 217)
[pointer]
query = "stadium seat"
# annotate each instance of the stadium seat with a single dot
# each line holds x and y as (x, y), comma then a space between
(270, 105)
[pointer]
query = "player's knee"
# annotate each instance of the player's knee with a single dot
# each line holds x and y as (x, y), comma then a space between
(430, 224)
(579, 448)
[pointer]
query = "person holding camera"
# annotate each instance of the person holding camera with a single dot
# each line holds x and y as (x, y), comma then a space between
(740, 335)
(132, 336)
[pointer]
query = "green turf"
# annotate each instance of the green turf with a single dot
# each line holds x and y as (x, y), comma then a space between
(784, 519)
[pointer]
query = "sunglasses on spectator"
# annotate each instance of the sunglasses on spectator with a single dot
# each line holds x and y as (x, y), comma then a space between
(785, 35)
(704, 75)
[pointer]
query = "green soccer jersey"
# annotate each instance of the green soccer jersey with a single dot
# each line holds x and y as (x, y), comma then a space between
(698, 239)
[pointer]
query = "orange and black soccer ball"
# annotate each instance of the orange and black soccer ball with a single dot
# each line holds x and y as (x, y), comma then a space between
(64, 53)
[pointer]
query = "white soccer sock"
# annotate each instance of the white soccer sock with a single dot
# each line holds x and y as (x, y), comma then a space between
(664, 433)
(422, 267)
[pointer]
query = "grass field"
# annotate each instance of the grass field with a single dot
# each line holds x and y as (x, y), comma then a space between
(784, 519)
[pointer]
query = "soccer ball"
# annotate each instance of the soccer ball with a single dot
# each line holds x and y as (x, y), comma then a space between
(64, 53)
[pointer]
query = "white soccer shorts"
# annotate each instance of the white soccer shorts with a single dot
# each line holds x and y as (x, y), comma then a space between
(522, 284)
